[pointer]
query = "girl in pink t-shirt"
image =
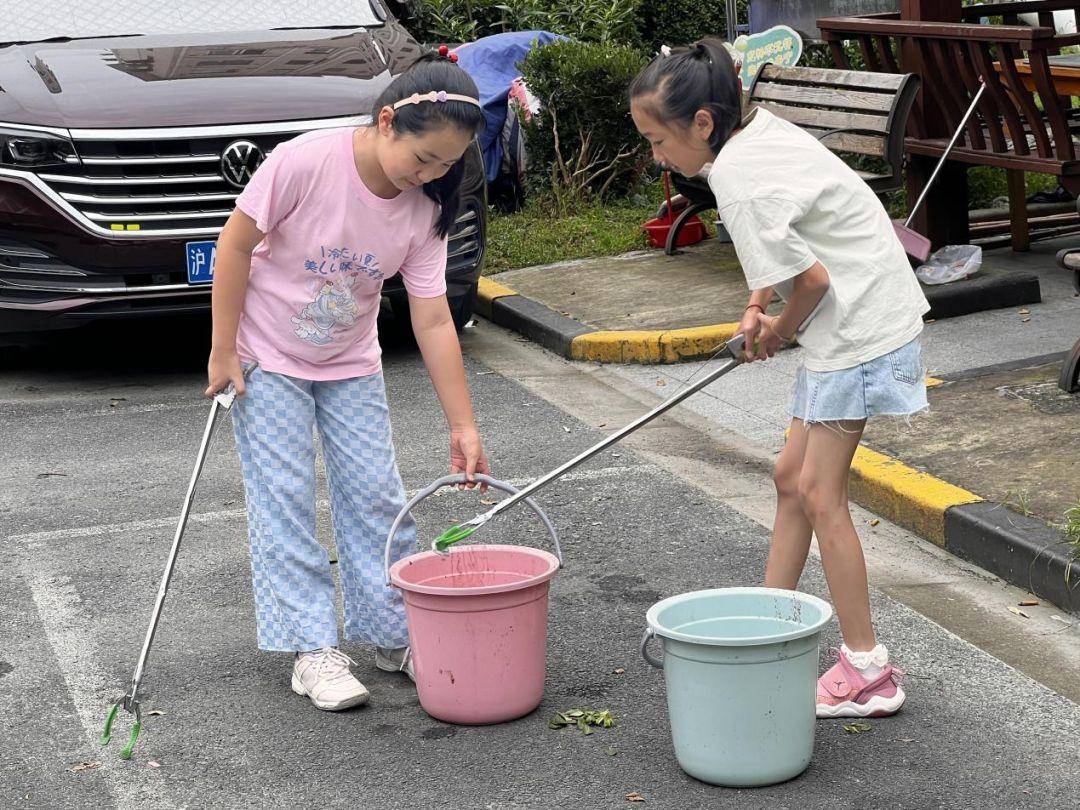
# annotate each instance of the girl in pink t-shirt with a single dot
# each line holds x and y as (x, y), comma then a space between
(297, 284)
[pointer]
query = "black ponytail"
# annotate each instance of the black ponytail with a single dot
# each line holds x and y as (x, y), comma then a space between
(701, 77)
(432, 71)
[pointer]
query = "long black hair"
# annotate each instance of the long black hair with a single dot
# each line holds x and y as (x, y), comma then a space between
(701, 77)
(432, 71)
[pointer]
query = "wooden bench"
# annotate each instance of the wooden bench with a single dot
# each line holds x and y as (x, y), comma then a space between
(851, 112)
(1023, 124)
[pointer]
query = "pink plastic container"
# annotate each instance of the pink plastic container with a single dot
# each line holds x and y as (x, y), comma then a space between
(477, 621)
(478, 628)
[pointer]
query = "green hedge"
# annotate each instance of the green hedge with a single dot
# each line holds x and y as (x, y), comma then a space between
(583, 89)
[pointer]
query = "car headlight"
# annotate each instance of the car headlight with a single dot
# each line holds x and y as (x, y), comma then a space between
(35, 150)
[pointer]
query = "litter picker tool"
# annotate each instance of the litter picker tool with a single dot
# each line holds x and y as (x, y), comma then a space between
(917, 245)
(129, 702)
(731, 352)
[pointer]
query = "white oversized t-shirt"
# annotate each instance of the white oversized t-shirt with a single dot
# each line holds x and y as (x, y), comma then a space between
(789, 202)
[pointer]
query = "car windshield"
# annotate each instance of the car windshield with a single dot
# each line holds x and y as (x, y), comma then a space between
(77, 19)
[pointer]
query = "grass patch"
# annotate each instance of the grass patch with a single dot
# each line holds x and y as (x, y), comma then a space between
(541, 234)
(1071, 526)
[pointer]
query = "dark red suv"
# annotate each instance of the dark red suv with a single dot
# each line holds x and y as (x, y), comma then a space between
(125, 139)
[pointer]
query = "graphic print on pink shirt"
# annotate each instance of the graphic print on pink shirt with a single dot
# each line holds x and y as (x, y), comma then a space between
(334, 304)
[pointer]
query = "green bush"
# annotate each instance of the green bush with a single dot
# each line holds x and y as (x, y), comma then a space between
(680, 22)
(583, 141)
(454, 21)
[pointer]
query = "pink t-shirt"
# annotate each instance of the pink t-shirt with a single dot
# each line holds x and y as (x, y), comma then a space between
(316, 279)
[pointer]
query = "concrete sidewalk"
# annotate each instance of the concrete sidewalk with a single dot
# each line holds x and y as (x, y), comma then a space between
(85, 546)
(945, 477)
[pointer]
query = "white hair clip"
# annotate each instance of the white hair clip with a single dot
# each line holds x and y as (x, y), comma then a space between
(665, 50)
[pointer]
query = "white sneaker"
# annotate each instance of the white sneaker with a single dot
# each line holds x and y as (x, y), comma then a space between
(399, 660)
(324, 676)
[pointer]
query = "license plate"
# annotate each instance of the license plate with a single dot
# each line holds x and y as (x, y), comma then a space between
(200, 262)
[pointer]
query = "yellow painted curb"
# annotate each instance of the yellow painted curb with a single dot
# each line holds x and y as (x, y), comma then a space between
(651, 346)
(933, 382)
(915, 500)
(486, 292)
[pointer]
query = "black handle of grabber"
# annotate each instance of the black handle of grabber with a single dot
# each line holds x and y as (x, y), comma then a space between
(454, 480)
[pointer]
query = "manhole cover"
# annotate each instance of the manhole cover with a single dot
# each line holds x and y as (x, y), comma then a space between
(1046, 397)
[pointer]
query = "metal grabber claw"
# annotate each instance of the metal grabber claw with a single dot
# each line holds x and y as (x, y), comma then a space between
(129, 704)
(222, 402)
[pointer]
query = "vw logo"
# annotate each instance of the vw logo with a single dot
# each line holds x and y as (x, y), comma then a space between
(239, 161)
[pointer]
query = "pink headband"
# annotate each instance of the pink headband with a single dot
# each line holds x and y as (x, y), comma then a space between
(437, 96)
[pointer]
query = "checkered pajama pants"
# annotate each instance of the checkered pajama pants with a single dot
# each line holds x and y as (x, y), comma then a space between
(274, 424)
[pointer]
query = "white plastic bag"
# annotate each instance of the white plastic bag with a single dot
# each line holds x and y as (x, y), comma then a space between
(950, 263)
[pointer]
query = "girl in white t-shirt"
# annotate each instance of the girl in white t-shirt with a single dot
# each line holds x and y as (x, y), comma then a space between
(808, 229)
(297, 285)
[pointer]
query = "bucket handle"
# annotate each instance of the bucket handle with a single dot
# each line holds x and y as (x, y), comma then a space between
(452, 480)
(648, 656)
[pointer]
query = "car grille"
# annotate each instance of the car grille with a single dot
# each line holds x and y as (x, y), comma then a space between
(169, 183)
(153, 186)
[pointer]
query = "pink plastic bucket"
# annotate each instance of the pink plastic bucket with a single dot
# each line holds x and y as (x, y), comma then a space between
(477, 625)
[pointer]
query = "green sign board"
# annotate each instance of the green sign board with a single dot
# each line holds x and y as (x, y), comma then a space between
(780, 45)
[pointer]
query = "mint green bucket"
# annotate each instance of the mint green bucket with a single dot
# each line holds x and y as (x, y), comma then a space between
(741, 667)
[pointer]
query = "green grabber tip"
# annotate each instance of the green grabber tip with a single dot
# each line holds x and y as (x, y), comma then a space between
(453, 535)
(106, 734)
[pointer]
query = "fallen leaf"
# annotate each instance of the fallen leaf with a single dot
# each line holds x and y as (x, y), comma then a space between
(566, 428)
(1025, 312)
(153, 764)
(155, 713)
(1018, 612)
(1025, 320)
(602, 424)
(619, 671)
(1028, 602)
(661, 383)
(52, 475)
(874, 522)
(484, 373)
(610, 750)
(84, 766)
(857, 728)
(634, 797)
(907, 739)
(488, 502)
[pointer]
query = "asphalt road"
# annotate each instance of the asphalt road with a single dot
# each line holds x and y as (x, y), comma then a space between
(99, 433)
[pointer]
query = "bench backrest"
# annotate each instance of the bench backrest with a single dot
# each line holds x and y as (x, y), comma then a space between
(851, 111)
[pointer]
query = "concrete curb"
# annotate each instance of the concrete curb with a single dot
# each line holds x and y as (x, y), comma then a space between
(578, 341)
(1023, 551)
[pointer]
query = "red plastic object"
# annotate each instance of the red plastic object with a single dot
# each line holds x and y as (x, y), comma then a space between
(693, 230)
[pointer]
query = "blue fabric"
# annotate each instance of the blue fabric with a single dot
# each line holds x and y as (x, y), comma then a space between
(891, 385)
(275, 423)
(492, 64)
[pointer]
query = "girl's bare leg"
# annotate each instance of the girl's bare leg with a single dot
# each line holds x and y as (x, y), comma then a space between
(823, 493)
(791, 529)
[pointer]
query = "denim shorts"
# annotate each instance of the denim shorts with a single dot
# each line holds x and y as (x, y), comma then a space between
(891, 385)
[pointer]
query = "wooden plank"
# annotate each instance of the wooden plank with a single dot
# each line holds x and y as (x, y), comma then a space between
(1018, 214)
(851, 142)
(851, 27)
(824, 97)
(827, 119)
(1035, 123)
(995, 102)
(1040, 72)
(832, 76)
(1003, 160)
(866, 46)
(950, 97)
